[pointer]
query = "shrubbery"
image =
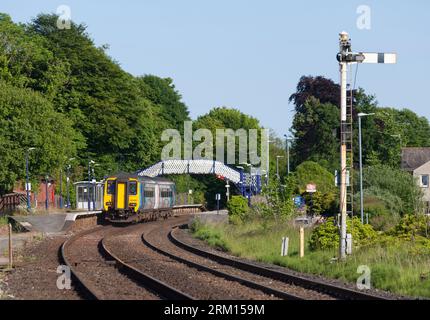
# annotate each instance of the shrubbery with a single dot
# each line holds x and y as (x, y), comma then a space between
(237, 208)
(382, 207)
(411, 226)
(311, 172)
(326, 236)
(392, 184)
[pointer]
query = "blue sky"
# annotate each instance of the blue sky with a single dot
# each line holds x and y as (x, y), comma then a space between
(251, 54)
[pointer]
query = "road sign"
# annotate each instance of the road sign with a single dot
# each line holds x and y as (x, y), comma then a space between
(218, 197)
(311, 188)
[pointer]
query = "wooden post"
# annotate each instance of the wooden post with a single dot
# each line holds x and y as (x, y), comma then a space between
(284, 247)
(302, 242)
(10, 247)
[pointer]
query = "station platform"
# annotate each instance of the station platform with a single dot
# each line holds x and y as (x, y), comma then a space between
(212, 216)
(54, 222)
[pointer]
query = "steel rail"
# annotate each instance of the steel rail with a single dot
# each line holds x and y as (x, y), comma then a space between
(248, 283)
(148, 281)
(85, 289)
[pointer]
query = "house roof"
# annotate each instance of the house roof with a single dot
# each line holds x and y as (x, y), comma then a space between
(413, 158)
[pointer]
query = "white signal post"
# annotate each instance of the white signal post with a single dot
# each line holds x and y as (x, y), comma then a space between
(345, 58)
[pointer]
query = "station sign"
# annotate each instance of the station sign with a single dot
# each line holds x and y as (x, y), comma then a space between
(311, 188)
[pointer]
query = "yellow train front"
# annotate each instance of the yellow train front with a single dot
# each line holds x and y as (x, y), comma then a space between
(130, 198)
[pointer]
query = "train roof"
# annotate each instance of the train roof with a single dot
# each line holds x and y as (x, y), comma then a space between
(124, 175)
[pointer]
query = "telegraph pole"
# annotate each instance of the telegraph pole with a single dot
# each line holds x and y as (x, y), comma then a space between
(345, 58)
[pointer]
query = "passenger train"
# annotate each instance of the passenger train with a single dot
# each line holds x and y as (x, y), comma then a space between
(131, 198)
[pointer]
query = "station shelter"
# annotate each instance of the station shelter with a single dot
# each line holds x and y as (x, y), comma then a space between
(89, 194)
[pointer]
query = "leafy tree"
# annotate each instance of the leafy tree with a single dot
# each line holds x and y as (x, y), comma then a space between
(396, 182)
(105, 103)
(321, 88)
(29, 120)
(279, 198)
(237, 207)
(223, 118)
(26, 63)
(311, 172)
(315, 130)
(162, 92)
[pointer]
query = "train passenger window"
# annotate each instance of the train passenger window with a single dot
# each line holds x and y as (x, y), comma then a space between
(133, 188)
(148, 193)
(111, 187)
(166, 193)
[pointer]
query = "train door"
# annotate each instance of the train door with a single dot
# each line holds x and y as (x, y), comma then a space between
(157, 196)
(121, 195)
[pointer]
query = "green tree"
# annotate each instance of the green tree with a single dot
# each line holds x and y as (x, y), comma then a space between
(315, 129)
(312, 173)
(162, 92)
(396, 182)
(26, 63)
(105, 103)
(29, 120)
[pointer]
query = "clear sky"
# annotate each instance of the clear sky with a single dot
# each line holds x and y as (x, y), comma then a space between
(250, 54)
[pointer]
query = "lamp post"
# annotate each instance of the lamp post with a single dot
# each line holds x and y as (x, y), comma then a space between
(27, 182)
(90, 162)
(46, 192)
(287, 142)
(61, 188)
(69, 166)
(250, 183)
(277, 166)
(268, 161)
(360, 115)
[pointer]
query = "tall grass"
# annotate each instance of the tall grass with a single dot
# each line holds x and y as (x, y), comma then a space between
(394, 267)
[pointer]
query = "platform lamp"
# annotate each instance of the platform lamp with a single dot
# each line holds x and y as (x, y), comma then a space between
(360, 115)
(46, 192)
(27, 182)
(69, 166)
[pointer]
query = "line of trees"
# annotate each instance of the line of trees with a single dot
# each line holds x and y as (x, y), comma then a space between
(389, 192)
(66, 97)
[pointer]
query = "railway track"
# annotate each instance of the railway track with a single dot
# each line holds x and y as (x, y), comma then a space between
(111, 263)
(285, 277)
(197, 283)
(99, 274)
(159, 240)
(217, 272)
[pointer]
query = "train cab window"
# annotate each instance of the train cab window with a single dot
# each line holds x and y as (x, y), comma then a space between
(111, 187)
(132, 188)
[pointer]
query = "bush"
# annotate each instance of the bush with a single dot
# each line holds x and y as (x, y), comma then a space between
(237, 208)
(279, 198)
(326, 236)
(312, 172)
(411, 226)
(382, 207)
(395, 182)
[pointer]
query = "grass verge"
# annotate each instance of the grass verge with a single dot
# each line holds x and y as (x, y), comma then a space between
(394, 267)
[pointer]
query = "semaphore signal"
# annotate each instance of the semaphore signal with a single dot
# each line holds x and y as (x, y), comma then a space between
(345, 58)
